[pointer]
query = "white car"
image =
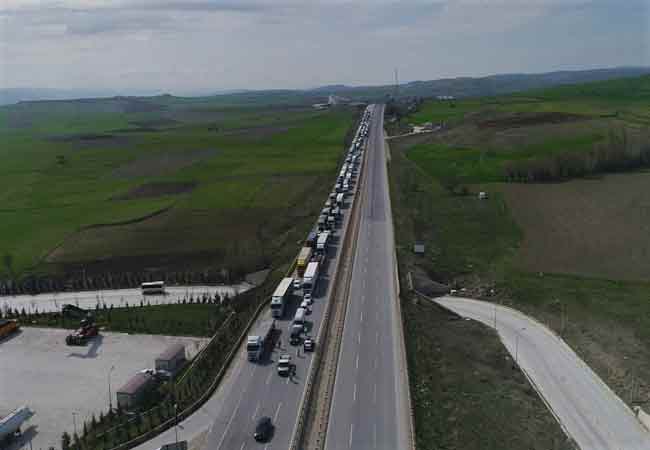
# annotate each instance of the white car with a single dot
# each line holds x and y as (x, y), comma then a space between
(307, 298)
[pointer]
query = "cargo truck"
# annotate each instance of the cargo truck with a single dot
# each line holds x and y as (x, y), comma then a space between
(311, 277)
(259, 340)
(339, 199)
(323, 240)
(280, 297)
(303, 259)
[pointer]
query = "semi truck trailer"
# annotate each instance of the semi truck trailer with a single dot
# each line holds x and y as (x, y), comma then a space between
(280, 297)
(259, 340)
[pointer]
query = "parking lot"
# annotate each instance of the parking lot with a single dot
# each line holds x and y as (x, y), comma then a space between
(39, 370)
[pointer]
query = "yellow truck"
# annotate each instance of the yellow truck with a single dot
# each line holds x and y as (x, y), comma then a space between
(303, 259)
(7, 327)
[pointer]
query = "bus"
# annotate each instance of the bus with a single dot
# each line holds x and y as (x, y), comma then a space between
(280, 297)
(153, 287)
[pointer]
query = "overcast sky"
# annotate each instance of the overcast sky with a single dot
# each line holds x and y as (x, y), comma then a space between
(186, 46)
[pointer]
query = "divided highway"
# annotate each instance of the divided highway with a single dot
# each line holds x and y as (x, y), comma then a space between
(586, 407)
(370, 403)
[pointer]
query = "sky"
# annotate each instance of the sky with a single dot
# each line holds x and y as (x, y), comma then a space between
(199, 46)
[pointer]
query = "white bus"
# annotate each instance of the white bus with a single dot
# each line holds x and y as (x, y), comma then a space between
(154, 287)
(280, 297)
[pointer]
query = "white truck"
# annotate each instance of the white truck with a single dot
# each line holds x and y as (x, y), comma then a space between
(311, 277)
(323, 240)
(339, 199)
(260, 338)
(280, 297)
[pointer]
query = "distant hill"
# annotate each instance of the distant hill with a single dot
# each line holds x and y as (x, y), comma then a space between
(458, 87)
(489, 85)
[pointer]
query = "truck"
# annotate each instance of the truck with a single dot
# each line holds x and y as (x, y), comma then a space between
(297, 326)
(303, 259)
(10, 425)
(321, 243)
(339, 199)
(322, 222)
(311, 277)
(280, 297)
(7, 327)
(259, 340)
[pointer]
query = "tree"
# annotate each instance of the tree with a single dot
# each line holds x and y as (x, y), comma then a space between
(65, 441)
(8, 260)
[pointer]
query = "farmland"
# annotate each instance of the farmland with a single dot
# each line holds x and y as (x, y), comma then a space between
(160, 182)
(572, 252)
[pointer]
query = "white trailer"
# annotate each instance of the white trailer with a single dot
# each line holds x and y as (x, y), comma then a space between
(321, 243)
(259, 339)
(339, 199)
(311, 277)
(280, 297)
(10, 425)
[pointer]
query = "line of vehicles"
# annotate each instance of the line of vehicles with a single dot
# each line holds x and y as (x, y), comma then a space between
(304, 282)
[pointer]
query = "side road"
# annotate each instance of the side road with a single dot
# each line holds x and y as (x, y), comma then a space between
(591, 414)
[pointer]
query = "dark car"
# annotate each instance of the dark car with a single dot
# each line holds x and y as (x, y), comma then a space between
(263, 429)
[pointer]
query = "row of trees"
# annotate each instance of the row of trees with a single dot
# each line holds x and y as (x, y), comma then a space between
(109, 280)
(619, 152)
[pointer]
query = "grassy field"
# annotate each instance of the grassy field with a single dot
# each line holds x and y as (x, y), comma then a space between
(150, 182)
(469, 396)
(572, 254)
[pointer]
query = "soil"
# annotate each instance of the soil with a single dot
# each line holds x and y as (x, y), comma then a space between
(527, 119)
(157, 189)
(596, 228)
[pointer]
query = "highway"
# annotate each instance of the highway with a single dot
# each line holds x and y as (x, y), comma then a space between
(370, 402)
(256, 390)
(587, 408)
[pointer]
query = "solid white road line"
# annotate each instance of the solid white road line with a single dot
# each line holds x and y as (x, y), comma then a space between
(277, 412)
(351, 431)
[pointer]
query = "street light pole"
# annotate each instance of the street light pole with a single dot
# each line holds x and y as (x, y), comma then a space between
(110, 397)
(74, 422)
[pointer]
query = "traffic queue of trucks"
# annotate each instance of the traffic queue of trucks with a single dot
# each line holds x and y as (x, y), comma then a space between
(309, 263)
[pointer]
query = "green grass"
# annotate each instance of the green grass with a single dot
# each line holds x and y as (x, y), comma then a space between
(465, 391)
(44, 203)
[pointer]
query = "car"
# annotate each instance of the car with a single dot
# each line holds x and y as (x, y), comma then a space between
(284, 365)
(294, 338)
(297, 283)
(309, 344)
(307, 298)
(263, 429)
(305, 304)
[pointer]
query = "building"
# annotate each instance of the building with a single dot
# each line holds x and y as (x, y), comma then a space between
(171, 359)
(129, 395)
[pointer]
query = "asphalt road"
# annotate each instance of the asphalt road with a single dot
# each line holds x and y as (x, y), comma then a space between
(369, 406)
(117, 297)
(257, 390)
(589, 411)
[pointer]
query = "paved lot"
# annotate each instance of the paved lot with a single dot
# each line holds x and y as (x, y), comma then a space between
(54, 380)
(115, 297)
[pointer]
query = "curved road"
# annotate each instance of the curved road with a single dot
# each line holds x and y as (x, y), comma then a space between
(589, 411)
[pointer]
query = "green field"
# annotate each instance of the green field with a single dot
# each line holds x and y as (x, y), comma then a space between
(228, 182)
(569, 253)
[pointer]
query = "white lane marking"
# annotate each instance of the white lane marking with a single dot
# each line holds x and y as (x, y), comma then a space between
(377, 337)
(374, 393)
(243, 444)
(268, 378)
(374, 435)
(359, 338)
(277, 412)
(361, 316)
(363, 298)
(357, 363)
(354, 394)
(257, 409)
(225, 432)
(288, 378)
(351, 431)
